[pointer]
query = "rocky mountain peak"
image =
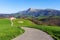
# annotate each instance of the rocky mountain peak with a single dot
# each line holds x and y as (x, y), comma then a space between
(32, 9)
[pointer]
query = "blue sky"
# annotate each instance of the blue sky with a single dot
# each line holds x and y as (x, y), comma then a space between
(12, 6)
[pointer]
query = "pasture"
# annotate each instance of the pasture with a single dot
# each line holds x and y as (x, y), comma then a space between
(8, 32)
(54, 31)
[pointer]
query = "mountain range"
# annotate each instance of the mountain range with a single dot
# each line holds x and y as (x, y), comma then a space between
(38, 12)
(34, 13)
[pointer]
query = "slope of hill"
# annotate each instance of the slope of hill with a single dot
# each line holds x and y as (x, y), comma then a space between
(34, 13)
(47, 21)
(38, 12)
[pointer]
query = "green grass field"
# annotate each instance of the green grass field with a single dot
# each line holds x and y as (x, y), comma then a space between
(25, 22)
(54, 31)
(7, 32)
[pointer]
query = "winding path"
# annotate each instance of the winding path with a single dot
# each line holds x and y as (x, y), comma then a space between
(33, 34)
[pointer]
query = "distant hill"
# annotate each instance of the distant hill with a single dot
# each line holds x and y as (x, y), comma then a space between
(38, 12)
(34, 13)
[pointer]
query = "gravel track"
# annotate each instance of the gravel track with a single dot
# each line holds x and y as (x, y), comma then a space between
(33, 34)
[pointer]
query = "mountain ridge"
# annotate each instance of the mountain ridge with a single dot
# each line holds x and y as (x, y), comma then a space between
(34, 13)
(39, 12)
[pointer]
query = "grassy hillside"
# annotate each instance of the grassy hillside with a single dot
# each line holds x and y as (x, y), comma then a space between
(54, 31)
(26, 22)
(8, 32)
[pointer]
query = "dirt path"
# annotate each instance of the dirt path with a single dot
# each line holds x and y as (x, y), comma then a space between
(33, 34)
